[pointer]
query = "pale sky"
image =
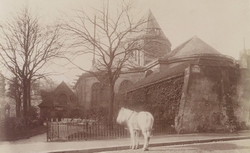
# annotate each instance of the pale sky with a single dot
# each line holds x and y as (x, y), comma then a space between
(223, 24)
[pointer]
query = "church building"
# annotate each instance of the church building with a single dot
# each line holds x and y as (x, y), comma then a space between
(193, 87)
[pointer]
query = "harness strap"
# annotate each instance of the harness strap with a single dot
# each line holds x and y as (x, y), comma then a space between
(130, 115)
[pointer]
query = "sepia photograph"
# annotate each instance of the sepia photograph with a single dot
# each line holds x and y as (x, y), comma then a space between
(129, 76)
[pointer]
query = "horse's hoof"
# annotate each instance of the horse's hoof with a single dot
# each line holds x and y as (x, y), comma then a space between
(145, 149)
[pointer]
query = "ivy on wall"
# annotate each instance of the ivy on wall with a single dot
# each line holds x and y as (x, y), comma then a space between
(161, 99)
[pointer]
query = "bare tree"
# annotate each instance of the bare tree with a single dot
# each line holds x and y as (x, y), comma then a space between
(25, 47)
(110, 37)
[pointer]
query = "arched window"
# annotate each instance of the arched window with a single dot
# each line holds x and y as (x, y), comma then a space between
(124, 85)
(62, 99)
(96, 93)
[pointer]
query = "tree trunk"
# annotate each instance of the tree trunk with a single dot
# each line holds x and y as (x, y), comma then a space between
(111, 104)
(25, 100)
(17, 94)
(28, 93)
(18, 106)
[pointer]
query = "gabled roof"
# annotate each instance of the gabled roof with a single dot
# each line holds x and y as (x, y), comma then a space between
(49, 98)
(63, 87)
(192, 47)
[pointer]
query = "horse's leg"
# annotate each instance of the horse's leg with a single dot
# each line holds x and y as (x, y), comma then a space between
(137, 138)
(146, 135)
(148, 138)
(132, 136)
(145, 140)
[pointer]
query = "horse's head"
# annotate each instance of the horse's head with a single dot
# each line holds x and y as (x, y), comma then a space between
(120, 118)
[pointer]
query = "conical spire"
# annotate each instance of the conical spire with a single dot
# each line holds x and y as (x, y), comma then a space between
(151, 21)
(153, 28)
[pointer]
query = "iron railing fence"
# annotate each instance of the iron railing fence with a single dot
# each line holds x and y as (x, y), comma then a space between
(87, 130)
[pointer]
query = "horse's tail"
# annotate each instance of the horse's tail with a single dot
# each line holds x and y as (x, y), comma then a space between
(149, 134)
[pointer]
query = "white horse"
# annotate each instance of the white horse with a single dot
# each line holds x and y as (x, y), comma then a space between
(142, 121)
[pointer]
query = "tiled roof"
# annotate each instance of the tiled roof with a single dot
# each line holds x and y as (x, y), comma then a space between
(159, 76)
(192, 47)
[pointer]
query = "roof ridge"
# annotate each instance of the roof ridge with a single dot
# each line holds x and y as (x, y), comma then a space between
(208, 45)
(184, 44)
(179, 47)
(62, 84)
(192, 46)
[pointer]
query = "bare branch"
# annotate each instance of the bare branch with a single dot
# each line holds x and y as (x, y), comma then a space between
(26, 46)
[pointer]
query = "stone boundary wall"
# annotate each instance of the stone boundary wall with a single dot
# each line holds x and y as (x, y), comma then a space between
(161, 99)
(210, 100)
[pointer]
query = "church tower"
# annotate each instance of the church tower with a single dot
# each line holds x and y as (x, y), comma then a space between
(155, 43)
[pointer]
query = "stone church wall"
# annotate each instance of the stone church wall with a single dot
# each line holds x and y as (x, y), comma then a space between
(133, 77)
(84, 87)
(83, 91)
(172, 64)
